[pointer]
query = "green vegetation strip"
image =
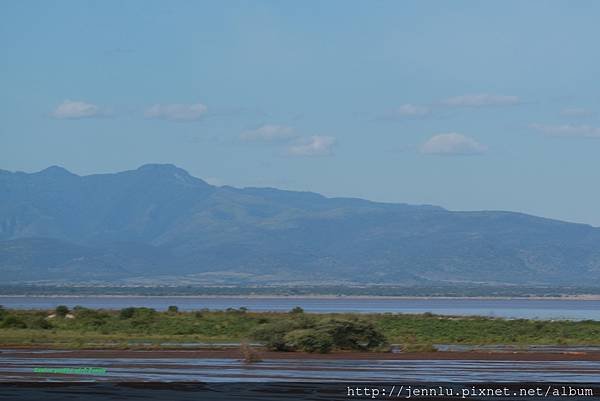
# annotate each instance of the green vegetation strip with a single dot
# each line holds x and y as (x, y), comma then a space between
(292, 331)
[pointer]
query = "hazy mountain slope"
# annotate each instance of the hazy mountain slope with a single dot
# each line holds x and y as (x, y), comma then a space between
(158, 220)
(50, 259)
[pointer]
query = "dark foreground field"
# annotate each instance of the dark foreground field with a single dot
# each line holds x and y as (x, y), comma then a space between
(26, 365)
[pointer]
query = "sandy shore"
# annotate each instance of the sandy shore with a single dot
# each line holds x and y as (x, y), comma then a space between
(235, 354)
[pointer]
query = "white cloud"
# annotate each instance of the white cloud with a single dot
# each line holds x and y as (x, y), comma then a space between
(411, 110)
(312, 146)
(177, 112)
(576, 112)
(567, 130)
(74, 109)
(406, 111)
(452, 144)
(268, 132)
(481, 100)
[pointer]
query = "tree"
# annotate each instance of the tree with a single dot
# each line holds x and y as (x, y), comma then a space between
(309, 340)
(273, 334)
(353, 334)
(306, 333)
(61, 310)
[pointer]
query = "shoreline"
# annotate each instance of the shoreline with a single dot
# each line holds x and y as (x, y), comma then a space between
(233, 353)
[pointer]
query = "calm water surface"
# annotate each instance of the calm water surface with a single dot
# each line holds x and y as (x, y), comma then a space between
(507, 308)
(13, 368)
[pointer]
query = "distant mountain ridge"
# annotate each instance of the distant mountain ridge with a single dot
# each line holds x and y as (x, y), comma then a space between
(158, 224)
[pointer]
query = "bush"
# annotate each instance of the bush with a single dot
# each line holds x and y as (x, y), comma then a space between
(143, 312)
(93, 319)
(173, 309)
(297, 310)
(242, 309)
(143, 317)
(40, 323)
(13, 322)
(353, 334)
(61, 310)
(305, 333)
(199, 314)
(273, 334)
(309, 340)
(90, 314)
(126, 313)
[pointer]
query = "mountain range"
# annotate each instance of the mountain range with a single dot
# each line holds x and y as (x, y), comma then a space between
(160, 225)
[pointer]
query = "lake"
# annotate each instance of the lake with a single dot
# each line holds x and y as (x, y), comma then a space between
(505, 308)
(17, 368)
(179, 366)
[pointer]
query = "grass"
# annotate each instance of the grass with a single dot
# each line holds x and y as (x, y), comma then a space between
(145, 328)
(481, 330)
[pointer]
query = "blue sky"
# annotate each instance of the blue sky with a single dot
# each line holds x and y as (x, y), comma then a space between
(467, 105)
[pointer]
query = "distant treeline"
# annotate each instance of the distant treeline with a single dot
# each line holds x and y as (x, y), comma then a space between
(341, 290)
